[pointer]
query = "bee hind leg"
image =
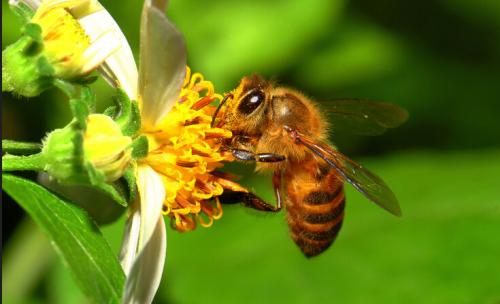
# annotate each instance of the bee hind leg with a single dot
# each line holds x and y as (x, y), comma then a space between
(248, 199)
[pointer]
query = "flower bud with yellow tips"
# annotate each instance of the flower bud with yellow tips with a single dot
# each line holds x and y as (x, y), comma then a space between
(75, 156)
(63, 39)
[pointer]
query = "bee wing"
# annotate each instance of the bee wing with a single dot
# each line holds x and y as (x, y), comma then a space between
(364, 117)
(366, 182)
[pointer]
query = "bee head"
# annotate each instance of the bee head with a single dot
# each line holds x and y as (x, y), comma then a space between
(245, 106)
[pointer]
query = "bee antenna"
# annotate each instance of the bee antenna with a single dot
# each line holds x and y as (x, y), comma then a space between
(223, 101)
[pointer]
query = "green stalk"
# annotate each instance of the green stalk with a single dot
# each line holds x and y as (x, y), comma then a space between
(35, 162)
(17, 147)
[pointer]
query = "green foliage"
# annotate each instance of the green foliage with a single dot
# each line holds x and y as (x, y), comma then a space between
(76, 238)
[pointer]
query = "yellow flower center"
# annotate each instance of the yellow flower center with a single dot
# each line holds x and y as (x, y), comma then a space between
(186, 151)
(64, 39)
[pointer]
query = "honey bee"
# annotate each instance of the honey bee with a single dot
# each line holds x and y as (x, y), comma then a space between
(284, 131)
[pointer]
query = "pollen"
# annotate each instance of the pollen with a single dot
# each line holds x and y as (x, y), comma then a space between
(186, 151)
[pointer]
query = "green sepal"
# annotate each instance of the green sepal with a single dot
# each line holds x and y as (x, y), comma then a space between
(44, 67)
(66, 87)
(80, 112)
(25, 71)
(128, 116)
(140, 147)
(129, 177)
(23, 11)
(123, 102)
(86, 80)
(82, 105)
(82, 100)
(33, 31)
(98, 180)
(111, 111)
(64, 154)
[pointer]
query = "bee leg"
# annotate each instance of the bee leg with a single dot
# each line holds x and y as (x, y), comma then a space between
(277, 188)
(248, 199)
(260, 157)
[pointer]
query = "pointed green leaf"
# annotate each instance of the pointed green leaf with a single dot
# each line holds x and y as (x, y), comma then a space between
(76, 237)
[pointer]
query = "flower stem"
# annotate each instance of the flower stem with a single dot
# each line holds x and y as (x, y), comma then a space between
(17, 147)
(35, 162)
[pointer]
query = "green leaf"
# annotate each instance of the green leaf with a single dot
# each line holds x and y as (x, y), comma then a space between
(76, 237)
(17, 147)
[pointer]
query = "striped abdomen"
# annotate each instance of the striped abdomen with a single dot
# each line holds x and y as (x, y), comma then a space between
(315, 205)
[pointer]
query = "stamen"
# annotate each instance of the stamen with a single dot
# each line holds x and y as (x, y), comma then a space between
(202, 222)
(204, 187)
(225, 175)
(227, 184)
(218, 209)
(186, 164)
(200, 153)
(202, 102)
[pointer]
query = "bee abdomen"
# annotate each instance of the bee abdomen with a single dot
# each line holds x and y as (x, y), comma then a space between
(316, 222)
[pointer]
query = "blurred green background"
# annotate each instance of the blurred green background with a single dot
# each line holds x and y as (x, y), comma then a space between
(438, 59)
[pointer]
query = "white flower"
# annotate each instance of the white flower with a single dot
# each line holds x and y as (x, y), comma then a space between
(161, 75)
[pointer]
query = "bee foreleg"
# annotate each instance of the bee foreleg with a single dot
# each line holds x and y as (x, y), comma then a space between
(259, 157)
(277, 188)
(249, 200)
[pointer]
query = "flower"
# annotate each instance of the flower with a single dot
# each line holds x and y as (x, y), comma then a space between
(65, 39)
(177, 177)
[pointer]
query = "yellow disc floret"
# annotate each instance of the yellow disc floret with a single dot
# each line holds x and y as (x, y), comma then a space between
(186, 151)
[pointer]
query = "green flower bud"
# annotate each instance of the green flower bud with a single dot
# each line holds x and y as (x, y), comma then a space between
(76, 156)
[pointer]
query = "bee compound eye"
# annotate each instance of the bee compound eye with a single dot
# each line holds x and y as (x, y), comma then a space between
(251, 102)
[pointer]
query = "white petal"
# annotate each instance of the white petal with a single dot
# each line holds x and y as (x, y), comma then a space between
(145, 276)
(152, 195)
(162, 63)
(119, 69)
(99, 50)
(130, 241)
